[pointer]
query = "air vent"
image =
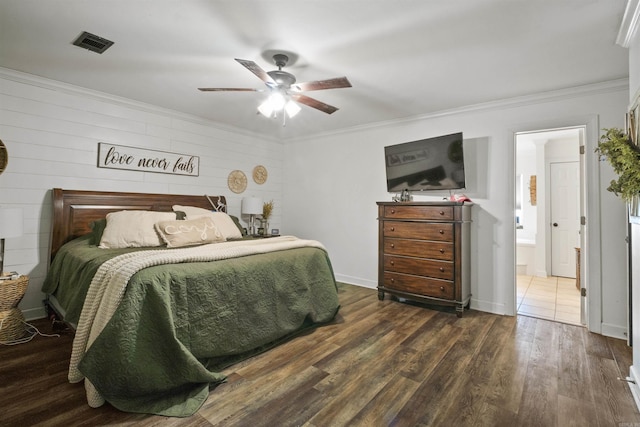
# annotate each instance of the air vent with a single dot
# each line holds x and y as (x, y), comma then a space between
(92, 42)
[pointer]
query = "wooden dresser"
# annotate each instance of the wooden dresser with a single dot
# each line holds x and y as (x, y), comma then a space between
(424, 252)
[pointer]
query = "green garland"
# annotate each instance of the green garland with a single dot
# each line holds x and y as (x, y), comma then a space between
(624, 157)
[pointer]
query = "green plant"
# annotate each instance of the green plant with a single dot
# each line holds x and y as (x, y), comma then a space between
(267, 209)
(624, 157)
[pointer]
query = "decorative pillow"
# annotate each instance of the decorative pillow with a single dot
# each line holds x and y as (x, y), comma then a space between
(192, 232)
(133, 229)
(236, 221)
(97, 228)
(223, 222)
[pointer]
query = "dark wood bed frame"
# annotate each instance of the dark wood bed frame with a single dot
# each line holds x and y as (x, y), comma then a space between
(75, 210)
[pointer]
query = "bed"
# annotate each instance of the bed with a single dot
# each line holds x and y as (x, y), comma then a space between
(156, 325)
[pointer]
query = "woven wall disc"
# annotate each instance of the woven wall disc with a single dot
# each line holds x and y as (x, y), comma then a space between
(237, 181)
(260, 174)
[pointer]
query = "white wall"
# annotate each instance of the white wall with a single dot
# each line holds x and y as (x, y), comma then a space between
(332, 183)
(52, 132)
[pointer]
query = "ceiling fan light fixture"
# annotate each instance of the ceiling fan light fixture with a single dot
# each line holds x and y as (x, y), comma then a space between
(292, 108)
(273, 104)
(266, 109)
(277, 101)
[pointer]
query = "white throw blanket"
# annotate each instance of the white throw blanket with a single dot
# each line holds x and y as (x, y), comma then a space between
(111, 279)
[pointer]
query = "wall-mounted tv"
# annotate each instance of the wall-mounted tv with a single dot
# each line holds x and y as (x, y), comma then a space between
(426, 164)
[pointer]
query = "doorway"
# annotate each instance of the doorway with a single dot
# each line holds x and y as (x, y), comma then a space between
(548, 207)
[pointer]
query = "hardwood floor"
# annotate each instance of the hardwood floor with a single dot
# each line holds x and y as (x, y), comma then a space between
(381, 363)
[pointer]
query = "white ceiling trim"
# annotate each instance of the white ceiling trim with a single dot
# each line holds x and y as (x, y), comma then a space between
(569, 93)
(48, 84)
(629, 25)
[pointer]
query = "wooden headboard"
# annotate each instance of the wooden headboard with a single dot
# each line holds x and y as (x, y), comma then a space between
(74, 210)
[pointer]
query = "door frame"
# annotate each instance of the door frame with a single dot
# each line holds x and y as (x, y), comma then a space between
(590, 268)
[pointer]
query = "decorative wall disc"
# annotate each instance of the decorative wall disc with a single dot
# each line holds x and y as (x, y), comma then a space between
(237, 181)
(260, 174)
(4, 158)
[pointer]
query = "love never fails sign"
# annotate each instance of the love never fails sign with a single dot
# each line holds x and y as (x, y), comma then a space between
(139, 159)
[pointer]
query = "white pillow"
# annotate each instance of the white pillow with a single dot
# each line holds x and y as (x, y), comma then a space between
(223, 222)
(133, 229)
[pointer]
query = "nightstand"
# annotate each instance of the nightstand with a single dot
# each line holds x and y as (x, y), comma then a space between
(12, 324)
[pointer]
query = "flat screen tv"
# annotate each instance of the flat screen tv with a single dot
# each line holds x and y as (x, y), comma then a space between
(427, 164)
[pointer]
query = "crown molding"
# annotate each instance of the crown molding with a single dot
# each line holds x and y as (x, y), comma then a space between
(49, 84)
(629, 24)
(541, 97)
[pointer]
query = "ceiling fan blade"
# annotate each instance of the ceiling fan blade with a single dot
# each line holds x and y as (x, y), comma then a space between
(335, 83)
(314, 103)
(255, 69)
(227, 89)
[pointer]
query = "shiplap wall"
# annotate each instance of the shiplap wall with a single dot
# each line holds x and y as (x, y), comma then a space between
(52, 131)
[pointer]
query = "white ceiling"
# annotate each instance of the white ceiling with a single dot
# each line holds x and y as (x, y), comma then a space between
(404, 58)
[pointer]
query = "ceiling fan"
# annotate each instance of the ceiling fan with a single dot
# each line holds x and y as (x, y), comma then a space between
(284, 89)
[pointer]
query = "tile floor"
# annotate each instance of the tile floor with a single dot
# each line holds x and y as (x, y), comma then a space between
(553, 298)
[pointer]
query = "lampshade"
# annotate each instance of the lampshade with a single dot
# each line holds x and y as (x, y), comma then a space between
(10, 222)
(252, 205)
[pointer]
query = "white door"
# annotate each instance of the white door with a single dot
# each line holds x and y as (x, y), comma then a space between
(565, 217)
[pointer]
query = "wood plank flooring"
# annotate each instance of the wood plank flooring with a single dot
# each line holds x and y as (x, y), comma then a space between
(381, 363)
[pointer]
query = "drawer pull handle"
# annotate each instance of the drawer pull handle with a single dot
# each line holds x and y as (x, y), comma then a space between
(441, 231)
(393, 280)
(393, 245)
(441, 251)
(393, 263)
(441, 269)
(441, 212)
(393, 211)
(393, 229)
(442, 288)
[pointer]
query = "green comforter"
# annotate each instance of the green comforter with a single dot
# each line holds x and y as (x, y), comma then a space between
(178, 325)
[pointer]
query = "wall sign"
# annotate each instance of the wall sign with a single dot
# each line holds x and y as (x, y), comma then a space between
(141, 159)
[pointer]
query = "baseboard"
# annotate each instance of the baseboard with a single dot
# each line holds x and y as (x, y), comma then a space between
(358, 281)
(540, 273)
(487, 306)
(632, 380)
(614, 331)
(34, 313)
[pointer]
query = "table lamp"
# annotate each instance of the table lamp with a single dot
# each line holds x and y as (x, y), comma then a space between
(252, 206)
(10, 226)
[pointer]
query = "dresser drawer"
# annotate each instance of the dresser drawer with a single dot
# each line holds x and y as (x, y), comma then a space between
(419, 230)
(419, 266)
(419, 285)
(419, 248)
(419, 212)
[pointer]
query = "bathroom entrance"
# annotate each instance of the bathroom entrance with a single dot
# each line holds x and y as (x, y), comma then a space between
(548, 209)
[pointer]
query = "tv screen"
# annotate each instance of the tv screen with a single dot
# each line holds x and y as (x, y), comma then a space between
(427, 164)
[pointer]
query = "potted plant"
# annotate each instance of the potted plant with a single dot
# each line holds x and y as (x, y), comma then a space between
(267, 209)
(624, 157)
